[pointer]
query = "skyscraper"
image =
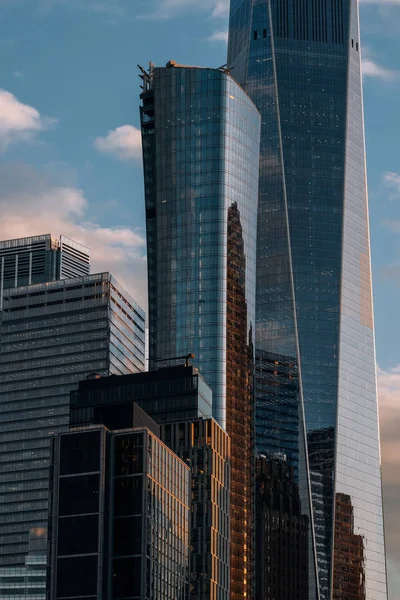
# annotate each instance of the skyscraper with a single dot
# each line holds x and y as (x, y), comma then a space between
(39, 259)
(299, 60)
(201, 152)
(281, 534)
(179, 399)
(51, 336)
(120, 517)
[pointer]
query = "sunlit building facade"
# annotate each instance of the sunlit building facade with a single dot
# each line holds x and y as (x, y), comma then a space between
(119, 518)
(281, 533)
(200, 134)
(180, 401)
(316, 382)
(52, 335)
(205, 447)
(40, 258)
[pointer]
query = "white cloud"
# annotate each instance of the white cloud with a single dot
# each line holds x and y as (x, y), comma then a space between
(108, 8)
(30, 205)
(392, 179)
(219, 36)
(125, 142)
(18, 121)
(380, 2)
(221, 8)
(168, 8)
(389, 412)
(371, 68)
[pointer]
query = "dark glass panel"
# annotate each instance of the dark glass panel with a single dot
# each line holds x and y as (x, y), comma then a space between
(128, 535)
(78, 535)
(76, 576)
(126, 577)
(79, 495)
(128, 493)
(129, 454)
(80, 452)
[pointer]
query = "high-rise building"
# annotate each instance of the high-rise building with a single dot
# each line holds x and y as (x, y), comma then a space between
(179, 399)
(40, 259)
(28, 580)
(281, 536)
(200, 135)
(299, 61)
(171, 394)
(120, 517)
(51, 336)
(205, 448)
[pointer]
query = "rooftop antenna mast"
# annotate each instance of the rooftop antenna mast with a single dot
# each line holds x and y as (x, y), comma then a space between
(147, 77)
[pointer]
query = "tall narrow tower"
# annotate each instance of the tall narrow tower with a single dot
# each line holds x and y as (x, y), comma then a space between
(201, 137)
(299, 60)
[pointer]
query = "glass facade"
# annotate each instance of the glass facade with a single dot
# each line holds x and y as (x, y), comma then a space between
(299, 60)
(281, 535)
(51, 336)
(39, 259)
(205, 447)
(200, 135)
(27, 581)
(120, 517)
(175, 398)
(170, 394)
(200, 147)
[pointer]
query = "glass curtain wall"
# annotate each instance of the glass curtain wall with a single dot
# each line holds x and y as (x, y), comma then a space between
(201, 155)
(299, 60)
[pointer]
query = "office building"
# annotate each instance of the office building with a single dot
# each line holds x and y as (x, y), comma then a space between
(120, 517)
(171, 394)
(205, 448)
(349, 571)
(51, 336)
(281, 533)
(27, 581)
(40, 259)
(300, 63)
(200, 134)
(179, 399)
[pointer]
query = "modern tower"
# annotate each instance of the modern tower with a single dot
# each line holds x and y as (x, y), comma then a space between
(201, 154)
(180, 401)
(39, 259)
(120, 517)
(52, 335)
(299, 61)
(281, 534)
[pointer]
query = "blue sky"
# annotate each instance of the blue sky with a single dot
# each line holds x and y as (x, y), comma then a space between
(70, 153)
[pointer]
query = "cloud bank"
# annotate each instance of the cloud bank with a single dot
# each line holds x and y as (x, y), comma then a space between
(219, 36)
(372, 69)
(165, 9)
(31, 205)
(18, 121)
(389, 410)
(124, 142)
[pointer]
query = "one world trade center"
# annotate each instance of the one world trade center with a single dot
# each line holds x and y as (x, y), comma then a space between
(316, 397)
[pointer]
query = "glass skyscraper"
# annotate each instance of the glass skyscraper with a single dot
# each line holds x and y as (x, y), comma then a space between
(120, 517)
(179, 400)
(299, 60)
(52, 335)
(201, 153)
(40, 258)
